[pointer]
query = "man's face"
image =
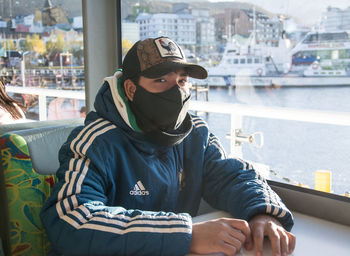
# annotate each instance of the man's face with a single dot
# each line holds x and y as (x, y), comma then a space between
(164, 83)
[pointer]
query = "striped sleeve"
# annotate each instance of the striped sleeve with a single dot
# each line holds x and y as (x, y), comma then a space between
(233, 185)
(198, 122)
(78, 221)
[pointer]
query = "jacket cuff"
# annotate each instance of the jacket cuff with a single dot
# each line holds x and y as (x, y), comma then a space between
(179, 243)
(282, 214)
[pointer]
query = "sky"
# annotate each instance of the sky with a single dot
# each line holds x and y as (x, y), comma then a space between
(308, 11)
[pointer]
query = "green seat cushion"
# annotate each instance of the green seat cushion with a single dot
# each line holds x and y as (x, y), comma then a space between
(26, 192)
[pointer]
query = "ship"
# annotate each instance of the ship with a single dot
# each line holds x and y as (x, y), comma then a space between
(319, 59)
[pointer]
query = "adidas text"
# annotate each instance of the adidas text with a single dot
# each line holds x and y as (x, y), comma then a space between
(139, 190)
(139, 193)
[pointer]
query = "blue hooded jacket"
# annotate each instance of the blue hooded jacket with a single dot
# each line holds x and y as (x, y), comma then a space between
(118, 194)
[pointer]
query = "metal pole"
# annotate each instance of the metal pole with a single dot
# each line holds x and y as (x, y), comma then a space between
(42, 108)
(23, 70)
(236, 124)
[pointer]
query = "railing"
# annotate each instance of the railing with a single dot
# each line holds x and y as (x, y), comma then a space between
(43, 93)
(236, 112)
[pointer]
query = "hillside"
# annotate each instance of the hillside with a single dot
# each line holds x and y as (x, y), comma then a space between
(25, 7)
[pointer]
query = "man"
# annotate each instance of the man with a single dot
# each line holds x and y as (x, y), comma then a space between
(132, 177)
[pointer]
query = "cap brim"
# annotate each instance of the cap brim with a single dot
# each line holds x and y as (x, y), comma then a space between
(193, 70)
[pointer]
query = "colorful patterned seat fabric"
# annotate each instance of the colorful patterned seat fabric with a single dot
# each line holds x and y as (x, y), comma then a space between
(26, 192)
(29, 159)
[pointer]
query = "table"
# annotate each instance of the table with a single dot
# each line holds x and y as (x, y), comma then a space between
(314, 236)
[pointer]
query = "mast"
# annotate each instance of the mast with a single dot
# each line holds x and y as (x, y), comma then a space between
(254, 25)
(254, 22)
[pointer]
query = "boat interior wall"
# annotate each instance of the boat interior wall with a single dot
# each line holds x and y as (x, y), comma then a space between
(331, 207)
(101, 57)
(43, 145)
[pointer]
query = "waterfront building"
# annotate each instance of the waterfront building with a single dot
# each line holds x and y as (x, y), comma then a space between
(180, 27)
(243, 22)
(131, 31)
(205, 31)
(336, 19)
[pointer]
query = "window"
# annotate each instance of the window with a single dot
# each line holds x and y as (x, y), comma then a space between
(43, 48)
(298, 50)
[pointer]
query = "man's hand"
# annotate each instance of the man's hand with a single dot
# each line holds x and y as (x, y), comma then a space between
(220, 235)
(282, 241)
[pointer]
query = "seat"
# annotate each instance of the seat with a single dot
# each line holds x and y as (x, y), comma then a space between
(29, 160)
(31, 125)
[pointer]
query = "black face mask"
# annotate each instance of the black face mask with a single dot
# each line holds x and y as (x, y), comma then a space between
(163, 111)
(161, 115)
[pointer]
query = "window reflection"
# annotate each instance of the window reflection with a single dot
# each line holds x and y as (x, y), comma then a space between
(41, 46)
(289, 55)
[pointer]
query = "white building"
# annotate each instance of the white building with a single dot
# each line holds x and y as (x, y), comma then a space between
(131, 31)
(77, 22)
(205, 31)
(336, 19)
(269, 31)
(179, 27)
(28, 20)
(3, 24)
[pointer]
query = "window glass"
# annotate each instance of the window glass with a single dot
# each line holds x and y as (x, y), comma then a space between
(42, 61)
(293, 101)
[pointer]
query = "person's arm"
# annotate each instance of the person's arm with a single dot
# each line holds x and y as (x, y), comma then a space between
(20, 111)
(79, 221)
(234, 186)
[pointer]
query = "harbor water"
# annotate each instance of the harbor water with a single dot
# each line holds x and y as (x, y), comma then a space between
(294, 150)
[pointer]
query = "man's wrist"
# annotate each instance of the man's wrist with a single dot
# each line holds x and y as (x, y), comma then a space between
(265, 218)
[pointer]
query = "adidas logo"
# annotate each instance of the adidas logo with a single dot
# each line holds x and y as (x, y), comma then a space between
(139, 190)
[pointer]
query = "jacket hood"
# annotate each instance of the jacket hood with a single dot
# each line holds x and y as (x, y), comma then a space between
(114, 101)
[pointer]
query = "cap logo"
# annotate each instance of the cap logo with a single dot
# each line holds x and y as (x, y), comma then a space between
(168, 48)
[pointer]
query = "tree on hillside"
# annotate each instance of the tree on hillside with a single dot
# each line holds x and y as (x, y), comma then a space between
(27, 46)
(126, 45)
(9, 45)
(54, 48)
(38, 44)
(34, 44)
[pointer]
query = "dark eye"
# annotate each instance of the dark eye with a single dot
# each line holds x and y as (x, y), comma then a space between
(184, 80)
(160, 80)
